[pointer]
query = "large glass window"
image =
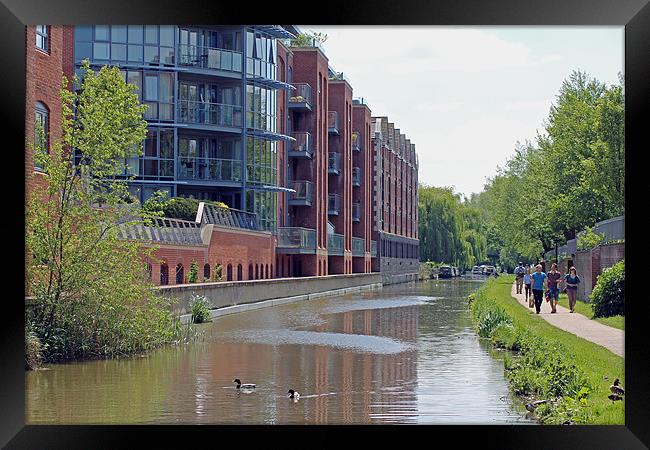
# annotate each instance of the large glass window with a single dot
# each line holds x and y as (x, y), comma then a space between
(42, 38)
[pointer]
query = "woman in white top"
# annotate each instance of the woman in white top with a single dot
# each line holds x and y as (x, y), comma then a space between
(527, 281)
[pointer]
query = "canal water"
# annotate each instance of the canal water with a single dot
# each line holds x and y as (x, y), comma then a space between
(406, 354)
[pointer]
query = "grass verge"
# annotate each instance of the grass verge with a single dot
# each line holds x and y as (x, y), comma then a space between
(585, 309)
(572, 374)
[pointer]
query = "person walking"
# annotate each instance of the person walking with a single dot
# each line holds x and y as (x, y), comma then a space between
(519, 274)
(572, 279)
(553, 278)
(529, 294)
(539, 283)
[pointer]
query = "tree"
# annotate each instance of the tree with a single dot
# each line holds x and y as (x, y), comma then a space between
(93, 296)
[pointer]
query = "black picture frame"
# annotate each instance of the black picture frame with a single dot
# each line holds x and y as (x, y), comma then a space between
(633, 14)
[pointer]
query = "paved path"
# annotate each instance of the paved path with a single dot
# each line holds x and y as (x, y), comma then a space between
(611, 338)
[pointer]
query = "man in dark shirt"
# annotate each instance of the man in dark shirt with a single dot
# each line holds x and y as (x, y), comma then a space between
(553, 278)
(519, 273)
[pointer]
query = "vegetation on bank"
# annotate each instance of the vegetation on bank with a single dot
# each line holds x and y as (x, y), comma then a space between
(570, 374)
(93, 296)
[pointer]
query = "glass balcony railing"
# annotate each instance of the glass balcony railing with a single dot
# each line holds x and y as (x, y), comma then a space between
(303, 147)
(373, 248)
(296, 240)
(356, 212)
(335, 244)
(334, 204)
(358, 246)
(301, 97)
(334, 163)
(209, 58)
(333, 122)
(356, 141)
(204, 113)
(304, 193)
(356, 176)
(209, 169)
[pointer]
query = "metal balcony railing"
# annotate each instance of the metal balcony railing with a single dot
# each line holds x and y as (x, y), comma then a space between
(334, 204)
(164, 231)
(333, 122)
(356, 212)
(356, 141)
(301, 97)
(296, 240)
(358, 246)
(205, 113)
(205, 57)
(335, 244)
(356, 176)
(209, 169)
(334, 163)
(373, 248)
(303, 146)
(304, 193)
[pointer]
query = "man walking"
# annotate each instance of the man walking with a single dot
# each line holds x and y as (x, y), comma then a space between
(539, 283)
(519, 274)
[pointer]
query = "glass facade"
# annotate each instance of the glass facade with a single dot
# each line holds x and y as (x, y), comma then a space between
(211, 109)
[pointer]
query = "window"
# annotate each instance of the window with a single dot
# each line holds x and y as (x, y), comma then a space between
(41, 131)
(42, 38)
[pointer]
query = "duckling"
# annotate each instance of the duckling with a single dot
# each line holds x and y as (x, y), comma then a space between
(293, 395)
(616, 388)
(533, 405)
(614, 397)
(243, 386)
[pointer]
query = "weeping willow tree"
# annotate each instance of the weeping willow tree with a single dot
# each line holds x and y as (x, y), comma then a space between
(450, 229)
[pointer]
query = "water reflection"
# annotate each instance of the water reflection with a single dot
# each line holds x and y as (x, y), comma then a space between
(406, 354)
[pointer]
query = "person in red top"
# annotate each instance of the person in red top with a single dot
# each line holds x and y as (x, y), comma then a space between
(553, 278)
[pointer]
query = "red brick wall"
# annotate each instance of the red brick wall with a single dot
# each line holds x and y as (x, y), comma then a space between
(361, 123)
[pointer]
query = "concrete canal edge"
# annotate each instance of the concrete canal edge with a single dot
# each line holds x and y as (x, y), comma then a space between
(238, 296)
(226, 310)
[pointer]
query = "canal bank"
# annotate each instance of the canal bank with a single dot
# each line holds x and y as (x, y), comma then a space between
(546, 363)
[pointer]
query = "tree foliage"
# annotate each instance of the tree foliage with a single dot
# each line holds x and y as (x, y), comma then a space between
(91, 289)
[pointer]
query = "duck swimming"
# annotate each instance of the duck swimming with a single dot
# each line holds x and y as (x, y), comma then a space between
(243, 386)
(616, 388)
(293, 395)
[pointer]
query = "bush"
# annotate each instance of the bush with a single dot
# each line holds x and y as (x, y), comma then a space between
(487, 314)
(33, 351)
(608, 296)
(200, 309)
(216, 274)
(589, 239)
(507, 336)
(193, 276)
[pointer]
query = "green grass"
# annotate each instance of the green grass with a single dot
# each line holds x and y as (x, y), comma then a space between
(584, 308)
(595, 361)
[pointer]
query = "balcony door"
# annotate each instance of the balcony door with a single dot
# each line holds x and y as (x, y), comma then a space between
(191, 97)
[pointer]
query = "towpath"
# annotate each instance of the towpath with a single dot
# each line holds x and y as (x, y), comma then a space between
(611, 338)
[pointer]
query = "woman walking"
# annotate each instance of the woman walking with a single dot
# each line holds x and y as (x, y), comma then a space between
(539, 283)
(572, 279)
(553, 278)
(529, 294)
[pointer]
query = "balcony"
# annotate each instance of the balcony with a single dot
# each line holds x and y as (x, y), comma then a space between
(301, 98)
(335, 244)
(296, 240)
(356, 176)
(304, 193)
(356, 141)
(211, 114)
(209, 169)
(358, 246)
(356, 212)
(303, 146)
(334, 163)
(333, 122)
(334, 204)
(373, 248)
(228, 217)
(211, 58)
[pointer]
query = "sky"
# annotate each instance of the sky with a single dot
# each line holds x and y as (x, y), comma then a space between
(466, 96)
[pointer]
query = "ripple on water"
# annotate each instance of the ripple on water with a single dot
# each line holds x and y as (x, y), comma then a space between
(383, 303)
(355, 342)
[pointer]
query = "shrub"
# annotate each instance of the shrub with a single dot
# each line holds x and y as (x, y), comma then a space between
(589, 239)
(33, 351)
(608, 296)
(216, 275)
(193, 276)
(200, 309)
(507, 336)
(487, 314)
